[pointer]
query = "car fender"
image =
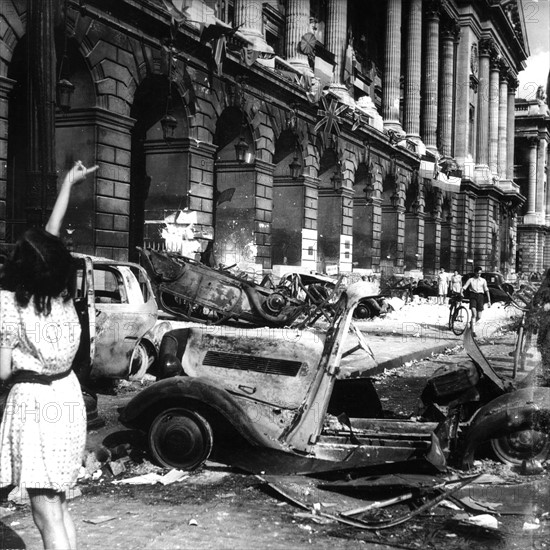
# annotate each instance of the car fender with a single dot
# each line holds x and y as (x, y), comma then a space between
(193, 393)
(524, 409)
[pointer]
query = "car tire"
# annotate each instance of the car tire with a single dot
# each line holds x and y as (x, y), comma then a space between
(516, 447)
(180, 438)
(363, 311)
(93, 420)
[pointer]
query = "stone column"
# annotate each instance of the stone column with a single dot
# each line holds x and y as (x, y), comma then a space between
(511, 127)
(411, 116)
(541, 191)
(446, 97)
(532, 175)
(336, 39)
(392, 67)
(466, 72)
(494, 91)
(503, 124)
(41, 175)
(297, 24)
(482, 144)
(547, 184)
(431, 77)
(248, 17)
(6, 85)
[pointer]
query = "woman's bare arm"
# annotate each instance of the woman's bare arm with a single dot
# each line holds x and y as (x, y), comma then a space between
(77, 173)
(5, 363)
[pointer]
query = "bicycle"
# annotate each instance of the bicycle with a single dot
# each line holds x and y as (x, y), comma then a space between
(522, 301)
(458, 315)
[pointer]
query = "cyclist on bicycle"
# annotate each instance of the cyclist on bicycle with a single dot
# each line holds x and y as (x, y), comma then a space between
(478, 287)
(455, 283)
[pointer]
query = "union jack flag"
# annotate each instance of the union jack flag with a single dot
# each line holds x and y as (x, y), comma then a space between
(331, 118)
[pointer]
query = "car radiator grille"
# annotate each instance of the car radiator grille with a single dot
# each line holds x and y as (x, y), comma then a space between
(264, 365)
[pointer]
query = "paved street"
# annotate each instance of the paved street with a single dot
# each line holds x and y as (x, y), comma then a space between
(218, 507)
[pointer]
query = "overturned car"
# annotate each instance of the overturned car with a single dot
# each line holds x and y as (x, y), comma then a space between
(277, 389)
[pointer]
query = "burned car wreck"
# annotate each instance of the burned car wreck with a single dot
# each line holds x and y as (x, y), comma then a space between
(192, 291)
(277, 390)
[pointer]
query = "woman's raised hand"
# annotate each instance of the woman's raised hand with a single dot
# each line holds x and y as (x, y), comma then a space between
(79, 172)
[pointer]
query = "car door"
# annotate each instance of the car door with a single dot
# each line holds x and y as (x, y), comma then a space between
(125, 309)
(84, 302)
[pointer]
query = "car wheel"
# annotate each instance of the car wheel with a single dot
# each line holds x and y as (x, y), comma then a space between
(180, 438)
(363, 311)
(516, 447)
(93, 420)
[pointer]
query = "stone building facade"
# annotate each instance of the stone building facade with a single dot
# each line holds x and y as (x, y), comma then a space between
(295, 135)
(532, 159)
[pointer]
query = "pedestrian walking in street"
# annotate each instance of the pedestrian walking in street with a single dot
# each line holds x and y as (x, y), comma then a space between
(442, 286)
(43, 430)
(478, 289)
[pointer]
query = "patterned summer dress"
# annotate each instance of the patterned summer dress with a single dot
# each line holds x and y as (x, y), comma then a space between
(43, 429)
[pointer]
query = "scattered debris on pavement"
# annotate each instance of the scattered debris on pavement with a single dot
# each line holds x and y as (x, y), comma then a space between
(99, 519)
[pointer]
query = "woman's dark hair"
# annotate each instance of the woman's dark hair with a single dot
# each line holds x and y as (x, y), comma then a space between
(40, 268)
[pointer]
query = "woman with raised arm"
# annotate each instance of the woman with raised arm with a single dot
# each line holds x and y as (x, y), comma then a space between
(43, 428)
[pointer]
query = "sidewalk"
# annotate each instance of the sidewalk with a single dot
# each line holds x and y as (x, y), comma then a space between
(415, 332)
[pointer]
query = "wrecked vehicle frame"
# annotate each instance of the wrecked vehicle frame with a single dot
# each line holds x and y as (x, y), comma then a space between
(274, 388)
(192, 291)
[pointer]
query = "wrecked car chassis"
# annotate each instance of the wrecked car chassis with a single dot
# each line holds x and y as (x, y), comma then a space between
(273, 388)
(194, 292)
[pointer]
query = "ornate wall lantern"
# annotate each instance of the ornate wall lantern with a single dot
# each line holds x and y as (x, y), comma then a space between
(64, 93)
(295, 167)
(169, 125)
(394, 199)
(337, 179)
(369, 190)
(168, 121)
(241, 148)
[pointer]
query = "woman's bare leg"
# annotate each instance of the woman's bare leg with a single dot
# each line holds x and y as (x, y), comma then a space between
(49, 517)
(68, 521)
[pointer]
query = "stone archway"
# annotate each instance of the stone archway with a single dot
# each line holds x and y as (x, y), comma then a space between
(363, 217)
(238, 189)
(289, 208)
(160, 167)
(74, 138)
(330, 221)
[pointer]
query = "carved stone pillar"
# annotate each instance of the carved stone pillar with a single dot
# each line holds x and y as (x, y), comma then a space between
(532, 171)
(431, 77)
(6, 85)
(547, 190)
(392, 67)
(503, 125)
(511, 127)
(541, 191)
(248, 17)
(494, 93)
(297, 24)
(41, 175)
(448, 37)
(336, 35)
(411, 118)
(482, 144)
